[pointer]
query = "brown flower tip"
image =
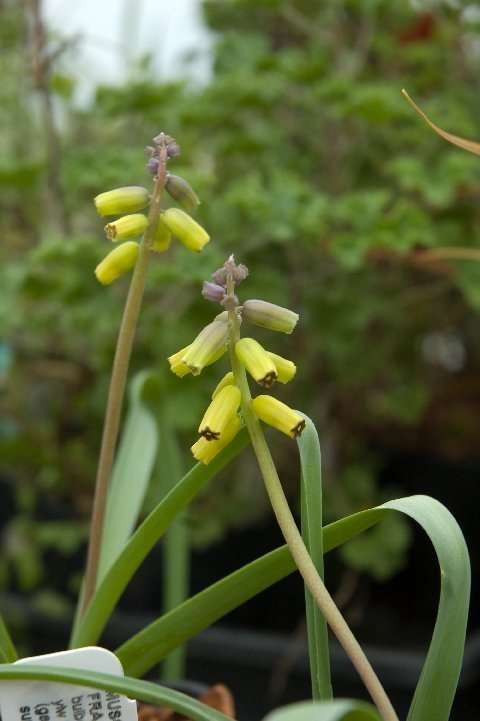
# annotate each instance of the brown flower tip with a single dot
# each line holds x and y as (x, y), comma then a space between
(238, 272)
(164, 140)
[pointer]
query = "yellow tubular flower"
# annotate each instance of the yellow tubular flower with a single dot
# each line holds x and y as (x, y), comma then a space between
(127, 227)
(205, 451)
(209, 345)
(219, 413)
(177, 366)
(277, 414)
(257, 361)
(271, 316)
(122, 200)
(185, 228)
(162, 238)
(286, 369)
(116, 263)
(227, 380)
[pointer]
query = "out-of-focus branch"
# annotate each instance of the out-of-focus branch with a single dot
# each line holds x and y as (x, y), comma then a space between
(448, 253)
(41, 62)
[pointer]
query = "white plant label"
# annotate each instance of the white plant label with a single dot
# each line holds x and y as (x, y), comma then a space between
(51, 701)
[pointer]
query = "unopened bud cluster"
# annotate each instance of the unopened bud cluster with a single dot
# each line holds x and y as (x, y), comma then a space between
(127, 202)
(222, 419)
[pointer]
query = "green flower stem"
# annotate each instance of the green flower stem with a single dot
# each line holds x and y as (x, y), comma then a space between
(118, 382)
(295, 542)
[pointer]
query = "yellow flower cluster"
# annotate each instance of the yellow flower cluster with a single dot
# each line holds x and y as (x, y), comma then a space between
(128, 200)
(172, 222)
(266, 368)
(223, 418)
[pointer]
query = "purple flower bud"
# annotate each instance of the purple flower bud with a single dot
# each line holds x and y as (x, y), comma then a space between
(173, 149)
(220, 276)
(213, 292)
(170, 143)
(152, 166)
(230, 268)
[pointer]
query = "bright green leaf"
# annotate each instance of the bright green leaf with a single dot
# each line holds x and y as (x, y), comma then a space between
(338, 710)
(312, 533)
(145, 691)
(89, 628)
(132, 470)
(437, 685)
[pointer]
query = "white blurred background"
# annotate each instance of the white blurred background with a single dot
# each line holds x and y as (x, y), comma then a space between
(112, 33)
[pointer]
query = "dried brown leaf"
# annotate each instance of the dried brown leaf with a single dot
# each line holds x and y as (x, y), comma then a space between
(468, 145)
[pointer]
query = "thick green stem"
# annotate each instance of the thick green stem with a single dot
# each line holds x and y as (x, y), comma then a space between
(118, 382)
(292, 536)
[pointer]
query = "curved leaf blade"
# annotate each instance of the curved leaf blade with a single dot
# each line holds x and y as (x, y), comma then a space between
(146, 648)
(176, 548)
(445, 654)
(312, 533)
(438, 681)
(338, 710)
(131, 473)
(131, 687)
(89, 628)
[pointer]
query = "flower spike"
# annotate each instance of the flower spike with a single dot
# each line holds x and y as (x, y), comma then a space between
(220, 413)
(277, 414)
(122, 200)
(257, 361)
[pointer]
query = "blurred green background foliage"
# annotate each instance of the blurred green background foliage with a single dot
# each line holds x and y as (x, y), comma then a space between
(317, 174)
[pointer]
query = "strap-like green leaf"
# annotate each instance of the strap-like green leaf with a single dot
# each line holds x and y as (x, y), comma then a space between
(134, 463)
(436, 688)
(439, 678)
(176, 547)
(338, 710)
(87, 631)
(146, 691)
(312, 532)
(144, 650)
(8, 653)
(153, 643)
